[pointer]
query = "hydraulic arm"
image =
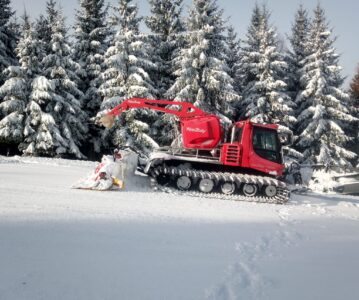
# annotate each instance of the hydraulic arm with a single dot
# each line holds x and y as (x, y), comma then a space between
(183, 110)
(199, 129)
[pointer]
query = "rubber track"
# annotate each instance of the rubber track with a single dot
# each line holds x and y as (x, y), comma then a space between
(282, 196)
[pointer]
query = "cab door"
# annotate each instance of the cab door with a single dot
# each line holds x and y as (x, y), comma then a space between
(265, 154)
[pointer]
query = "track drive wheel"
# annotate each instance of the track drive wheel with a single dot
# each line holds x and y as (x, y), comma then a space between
(228, 188)
(183, 183)
(206, 185)
(250, 189)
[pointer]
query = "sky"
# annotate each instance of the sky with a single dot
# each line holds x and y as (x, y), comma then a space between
(342, 16)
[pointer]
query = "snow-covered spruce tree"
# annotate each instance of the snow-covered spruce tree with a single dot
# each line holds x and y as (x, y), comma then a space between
(43, 134)
(354, 88)
(167, 38)
(233, 60)
(167, 27)
(15, 31)
(323, 104)
(91, 33)
(201, 72)
(12, 108)
(298, 52)
(15, 92)
(39, 126)
(250, 49)
(45, 23)
(264, 97)
(127, 64)
(43, 29)
(60, 86)
(354, 109)
(7, 54)
(233, 50)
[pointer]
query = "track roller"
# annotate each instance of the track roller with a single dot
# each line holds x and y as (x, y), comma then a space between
(206, 185)
(183, 183)
(270, 191)
(250, 190)
(228, 188)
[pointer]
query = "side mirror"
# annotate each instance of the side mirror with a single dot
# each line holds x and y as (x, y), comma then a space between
(286, 138)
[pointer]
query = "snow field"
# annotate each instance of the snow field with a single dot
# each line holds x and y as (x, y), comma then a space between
(59, 243)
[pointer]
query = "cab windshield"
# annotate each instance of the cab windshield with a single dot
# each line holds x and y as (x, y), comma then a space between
(266, 144)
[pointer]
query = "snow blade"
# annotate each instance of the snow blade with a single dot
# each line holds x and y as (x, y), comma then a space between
(111, 172)
(107, 184)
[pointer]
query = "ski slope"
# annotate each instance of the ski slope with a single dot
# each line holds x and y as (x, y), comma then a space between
(60, 243)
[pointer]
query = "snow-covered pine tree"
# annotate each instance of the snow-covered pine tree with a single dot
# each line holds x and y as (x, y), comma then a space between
(14, 36)
(354, 103)
(201, 71)
(264, 97)
(167, 38)
(7, 54)
(323, 104)
(354, 88)
(38, 124)
(14, 93)
(167, 27)
(128, 63)
(250, 48)
(233, 50)
(233, 60)
(298, 52)
(91, 33)
(43, 29)
(60, 85)
(44, 24)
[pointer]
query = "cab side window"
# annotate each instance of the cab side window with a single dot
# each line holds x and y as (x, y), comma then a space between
(237, 135)
(266, 144)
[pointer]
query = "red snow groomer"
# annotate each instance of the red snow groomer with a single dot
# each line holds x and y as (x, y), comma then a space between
(243, 162)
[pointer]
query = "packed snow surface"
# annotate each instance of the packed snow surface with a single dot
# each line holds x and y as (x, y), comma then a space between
(61, 243)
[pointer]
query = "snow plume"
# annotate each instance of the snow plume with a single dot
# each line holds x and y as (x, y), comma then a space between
(201, 68)
(323, 106)
(127, 75)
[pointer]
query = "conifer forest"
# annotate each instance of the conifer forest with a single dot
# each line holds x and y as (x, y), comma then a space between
(57, 78)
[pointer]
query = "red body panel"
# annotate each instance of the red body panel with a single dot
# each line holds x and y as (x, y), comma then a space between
(201, 133)
(231, 154)
(199, 130)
